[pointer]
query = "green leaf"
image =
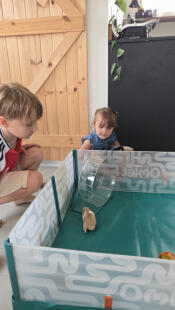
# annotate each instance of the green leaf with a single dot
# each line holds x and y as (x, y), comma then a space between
(121, 4)
(118, 71)
(120, 52)
(118, 27)
(113, 67)
(113, 44)
(111, 19)
(115, 77)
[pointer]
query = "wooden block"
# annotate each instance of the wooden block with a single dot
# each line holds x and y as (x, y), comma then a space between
(41, 25)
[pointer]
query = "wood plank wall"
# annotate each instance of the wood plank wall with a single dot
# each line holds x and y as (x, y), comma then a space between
(43, 46)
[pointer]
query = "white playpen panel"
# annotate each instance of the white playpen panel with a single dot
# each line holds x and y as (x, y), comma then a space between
(38, 225)
(84, 278)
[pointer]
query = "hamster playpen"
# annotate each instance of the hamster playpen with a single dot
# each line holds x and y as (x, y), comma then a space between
(53, 264)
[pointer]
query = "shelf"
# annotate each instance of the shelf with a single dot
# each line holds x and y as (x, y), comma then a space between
(162, 19)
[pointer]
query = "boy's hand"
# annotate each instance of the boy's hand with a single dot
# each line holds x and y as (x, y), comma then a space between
(25, 147)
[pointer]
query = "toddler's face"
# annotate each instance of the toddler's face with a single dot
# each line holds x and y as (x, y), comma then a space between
(103, 131)
(23, 128)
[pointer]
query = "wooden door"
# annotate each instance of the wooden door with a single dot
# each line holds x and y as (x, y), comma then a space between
(43, 46)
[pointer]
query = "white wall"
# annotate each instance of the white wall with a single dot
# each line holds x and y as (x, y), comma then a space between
(161, 29)
(97, 36)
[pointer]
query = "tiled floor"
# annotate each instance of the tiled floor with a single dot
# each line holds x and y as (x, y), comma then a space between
(10, 214)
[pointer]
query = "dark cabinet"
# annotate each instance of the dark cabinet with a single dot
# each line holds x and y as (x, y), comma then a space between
(145, 95)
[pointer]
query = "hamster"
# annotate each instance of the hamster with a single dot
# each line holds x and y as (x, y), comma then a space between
(89, 220)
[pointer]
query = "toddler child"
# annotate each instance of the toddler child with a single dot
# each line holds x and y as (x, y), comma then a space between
(103, 136)
(19, 112)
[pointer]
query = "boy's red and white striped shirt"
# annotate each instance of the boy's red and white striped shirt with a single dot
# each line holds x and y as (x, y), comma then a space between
(8, 156)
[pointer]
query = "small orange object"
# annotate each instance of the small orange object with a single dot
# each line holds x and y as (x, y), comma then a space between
(108, 302)
(167, 255)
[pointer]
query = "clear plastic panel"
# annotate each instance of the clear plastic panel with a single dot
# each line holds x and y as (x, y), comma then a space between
(148, 172)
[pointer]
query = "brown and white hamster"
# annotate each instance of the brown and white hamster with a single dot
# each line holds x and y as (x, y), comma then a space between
(89, 220)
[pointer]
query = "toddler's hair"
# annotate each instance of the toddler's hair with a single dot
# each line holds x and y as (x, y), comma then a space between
(17, 102)
(108, 114)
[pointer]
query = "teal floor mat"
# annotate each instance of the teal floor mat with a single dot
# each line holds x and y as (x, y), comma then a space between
(130, 223)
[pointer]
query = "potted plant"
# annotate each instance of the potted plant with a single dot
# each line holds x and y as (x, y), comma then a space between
(116, 67)
(110, 35)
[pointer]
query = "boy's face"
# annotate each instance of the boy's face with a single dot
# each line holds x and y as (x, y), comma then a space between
(23, 128)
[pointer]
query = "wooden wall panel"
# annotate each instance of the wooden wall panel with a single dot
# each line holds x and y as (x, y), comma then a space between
(5, 70)
(12, 44)
(36, 61)
(72, 90)
(23, 45)
(82, 72)
(60, 85)
(49, 85)
(52, 65)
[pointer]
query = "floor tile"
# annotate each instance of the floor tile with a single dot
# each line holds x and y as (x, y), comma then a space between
(5, 292)
(3, 265)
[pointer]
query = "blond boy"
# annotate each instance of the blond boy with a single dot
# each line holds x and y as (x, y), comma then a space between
(19, 112)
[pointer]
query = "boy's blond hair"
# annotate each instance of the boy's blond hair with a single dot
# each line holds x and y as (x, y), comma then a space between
(107, 114)
(17, 102)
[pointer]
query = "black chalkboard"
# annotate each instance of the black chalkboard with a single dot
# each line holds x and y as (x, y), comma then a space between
(145, 95)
